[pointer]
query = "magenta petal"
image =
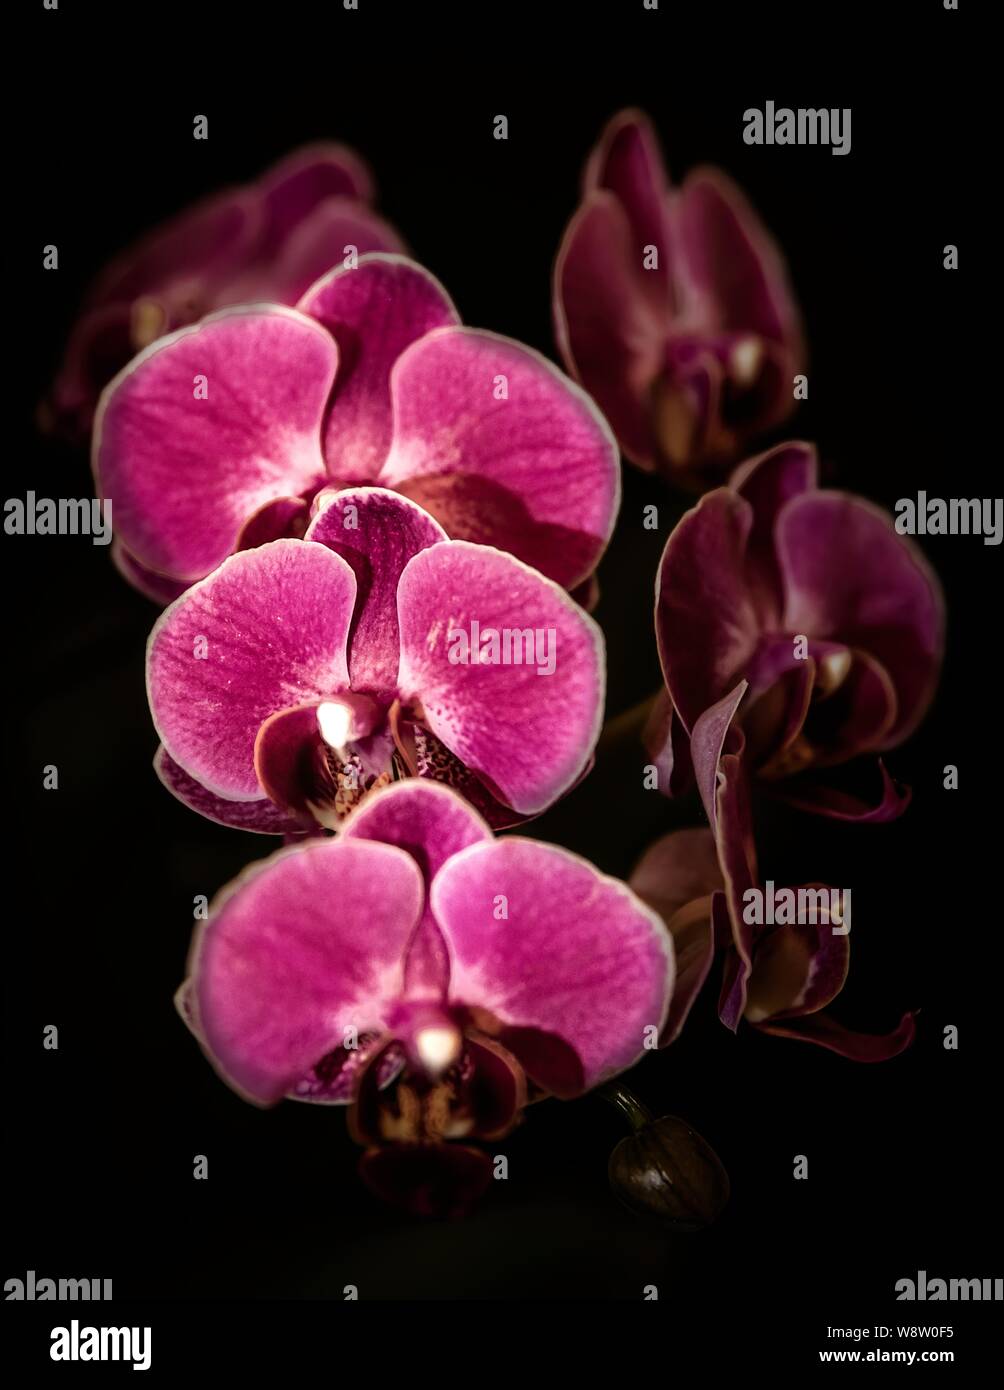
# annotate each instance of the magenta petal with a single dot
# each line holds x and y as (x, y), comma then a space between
(154, 586)
(858, 1047)
(504, 450)
(262, 817)
(266, 631)
(705, 620)
(333, 231)
(676, 877)
(767, 483)
(432, 823)
(575, 955)
(528, 729)
(299, 950)
(707, 744)
(295, 187)
(427, 819)
(628, 162)
(184, 473)
(887, 801)
(850, 577)
(609, 334)
(377, 533)
(731, 264)
(374, 312)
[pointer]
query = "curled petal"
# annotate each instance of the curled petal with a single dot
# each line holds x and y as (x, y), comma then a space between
(266, 631)
(262, 817)
(504, 450)
(300, 955)
(858, 1047)
(541, 940)
(206, 427)
(525, 718)
(886, 800)
(799, 969)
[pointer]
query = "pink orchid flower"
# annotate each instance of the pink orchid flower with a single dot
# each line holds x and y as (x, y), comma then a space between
(269, 240)
(222, 435)
(428, 976)
(673, 308)
(302, 674)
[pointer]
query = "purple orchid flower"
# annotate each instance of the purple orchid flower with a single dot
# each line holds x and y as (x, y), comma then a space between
(780, 978)
(430, 977)
(832, 621)
(372, 380)
(270, 240)
(304, 673)
(673, 308)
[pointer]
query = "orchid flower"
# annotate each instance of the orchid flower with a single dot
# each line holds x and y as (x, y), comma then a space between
(780, 978)
(269, 240)
(833, 622)
(428, 976)
(673, 308)
(302, 674)
(223, 435)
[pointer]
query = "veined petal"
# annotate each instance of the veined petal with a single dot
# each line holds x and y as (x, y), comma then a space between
(374, 312)
(299, 955)
(503, 449)
(509, 671)
(377, 533)
(543, 941)
(267, 630)
(208, 425)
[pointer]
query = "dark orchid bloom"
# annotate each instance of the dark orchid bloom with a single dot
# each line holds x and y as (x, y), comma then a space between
(267, 241)
(673, 309)
(304, 673)
(220, 437)
(428, 976)
(833, 621)
(779, 976)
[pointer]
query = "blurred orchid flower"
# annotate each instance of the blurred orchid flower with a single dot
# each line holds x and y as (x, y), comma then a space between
(673, 308)
(780, 978)
(269, 240)
(824, 623)
(429, 977)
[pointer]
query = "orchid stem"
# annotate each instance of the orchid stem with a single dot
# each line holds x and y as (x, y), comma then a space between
(622, 1098)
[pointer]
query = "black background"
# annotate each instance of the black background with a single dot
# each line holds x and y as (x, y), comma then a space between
(102, 1132)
